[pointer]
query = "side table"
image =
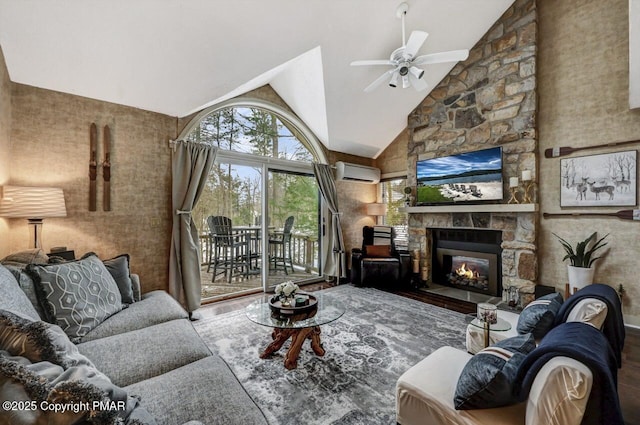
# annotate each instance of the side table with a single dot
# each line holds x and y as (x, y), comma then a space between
(500, 325)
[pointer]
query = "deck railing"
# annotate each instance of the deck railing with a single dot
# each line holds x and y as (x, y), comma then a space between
(305, 251)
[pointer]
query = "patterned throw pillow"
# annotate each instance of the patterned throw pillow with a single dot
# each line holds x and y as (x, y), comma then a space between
(487, 379)
(77, 295)
(538, 316)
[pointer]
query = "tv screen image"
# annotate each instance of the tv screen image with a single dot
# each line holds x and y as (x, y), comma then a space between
(466, 177)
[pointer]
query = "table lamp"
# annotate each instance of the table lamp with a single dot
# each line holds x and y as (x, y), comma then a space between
(34, 204)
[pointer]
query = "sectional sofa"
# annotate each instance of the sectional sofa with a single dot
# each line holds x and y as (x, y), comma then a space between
(147, 355)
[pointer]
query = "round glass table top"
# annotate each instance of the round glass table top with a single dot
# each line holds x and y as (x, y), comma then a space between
(500, 325)
(327, 311)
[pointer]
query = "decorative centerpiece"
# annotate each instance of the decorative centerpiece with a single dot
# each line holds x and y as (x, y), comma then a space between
(289, 302)
(286, 291)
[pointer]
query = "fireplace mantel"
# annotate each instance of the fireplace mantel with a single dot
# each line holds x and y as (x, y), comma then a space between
(488, 208)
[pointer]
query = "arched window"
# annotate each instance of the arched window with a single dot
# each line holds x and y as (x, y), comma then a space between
(256, 127)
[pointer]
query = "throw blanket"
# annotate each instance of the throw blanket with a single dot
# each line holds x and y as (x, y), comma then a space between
(613, 327)
(381, 235)
(588, 345)
(39, 363)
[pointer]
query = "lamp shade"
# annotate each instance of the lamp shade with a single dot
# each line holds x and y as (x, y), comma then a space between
(376, 208)
(32, 202)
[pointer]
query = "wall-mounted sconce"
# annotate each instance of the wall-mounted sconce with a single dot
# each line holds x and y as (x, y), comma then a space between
(34, 204)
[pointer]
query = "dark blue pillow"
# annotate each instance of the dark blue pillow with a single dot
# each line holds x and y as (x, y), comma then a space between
(538, 316)
(487, 379)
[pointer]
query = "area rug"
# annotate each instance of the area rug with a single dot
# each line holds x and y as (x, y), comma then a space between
(380, 336)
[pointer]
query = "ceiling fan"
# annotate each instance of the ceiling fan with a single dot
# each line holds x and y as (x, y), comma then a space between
(404, 60)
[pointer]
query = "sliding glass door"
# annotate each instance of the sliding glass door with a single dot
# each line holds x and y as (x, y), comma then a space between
(293, 245)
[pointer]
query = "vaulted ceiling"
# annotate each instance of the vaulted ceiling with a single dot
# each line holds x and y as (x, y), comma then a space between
(178, 56)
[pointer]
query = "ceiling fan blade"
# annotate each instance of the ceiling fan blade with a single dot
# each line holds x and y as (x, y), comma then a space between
(372, 62)
(378, 81)
(418, 83)
(416, 40)
(452, 56)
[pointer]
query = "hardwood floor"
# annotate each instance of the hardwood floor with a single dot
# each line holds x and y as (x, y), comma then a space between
(628, 375)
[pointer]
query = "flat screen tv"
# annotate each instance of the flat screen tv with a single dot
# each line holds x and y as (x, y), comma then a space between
(469, 177)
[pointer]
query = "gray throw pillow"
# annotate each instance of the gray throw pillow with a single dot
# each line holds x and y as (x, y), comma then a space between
(487, 379)
(77, 295)
(26, 284)
(538, 316)
(13, 298)
(119, 269)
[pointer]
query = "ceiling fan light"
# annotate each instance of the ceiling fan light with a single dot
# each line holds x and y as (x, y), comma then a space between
(405, 82)
(417, 72)
(394, 80)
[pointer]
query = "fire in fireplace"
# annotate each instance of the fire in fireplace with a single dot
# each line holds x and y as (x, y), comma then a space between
(468, 259)
(469, 271)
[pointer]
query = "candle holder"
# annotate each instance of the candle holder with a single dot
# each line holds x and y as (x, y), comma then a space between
(487, 313)
(514, 195)
(528, 192)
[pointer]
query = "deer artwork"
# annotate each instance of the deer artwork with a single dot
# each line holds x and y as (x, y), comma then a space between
(599, 189)
(581, 188)
(622, 184)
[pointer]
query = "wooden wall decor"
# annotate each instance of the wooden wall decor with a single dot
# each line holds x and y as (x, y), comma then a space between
(106, 170)
(622, 214)
(566, 150)
(93, 165)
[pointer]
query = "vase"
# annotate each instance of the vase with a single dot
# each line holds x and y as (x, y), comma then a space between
(579, 277)
(286, 301)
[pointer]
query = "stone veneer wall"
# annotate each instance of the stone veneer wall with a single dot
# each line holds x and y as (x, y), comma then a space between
(488, 100)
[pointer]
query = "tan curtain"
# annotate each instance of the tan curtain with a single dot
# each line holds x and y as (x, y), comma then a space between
(190, 166)
(335, 263)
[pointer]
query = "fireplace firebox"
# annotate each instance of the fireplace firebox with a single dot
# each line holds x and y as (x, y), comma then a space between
(468, 259)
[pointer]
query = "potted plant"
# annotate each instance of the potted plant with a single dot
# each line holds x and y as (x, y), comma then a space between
(582, 258)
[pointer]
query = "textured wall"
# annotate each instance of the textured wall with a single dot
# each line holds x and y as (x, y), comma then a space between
(50, 146)
(5, 145)
(583, 100)
(394, 157)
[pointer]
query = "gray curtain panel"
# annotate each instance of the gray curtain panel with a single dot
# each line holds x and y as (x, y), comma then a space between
(335, 261)
(190, 166)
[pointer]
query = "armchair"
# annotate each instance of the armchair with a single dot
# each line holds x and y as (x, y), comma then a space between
(378, 261)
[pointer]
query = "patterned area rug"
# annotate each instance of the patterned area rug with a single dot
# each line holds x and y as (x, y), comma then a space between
(379, 337)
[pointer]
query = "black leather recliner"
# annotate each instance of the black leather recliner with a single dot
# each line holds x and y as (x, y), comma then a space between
(377, 265)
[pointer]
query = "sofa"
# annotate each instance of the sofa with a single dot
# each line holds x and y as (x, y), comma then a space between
(146, 357)
(566, 376)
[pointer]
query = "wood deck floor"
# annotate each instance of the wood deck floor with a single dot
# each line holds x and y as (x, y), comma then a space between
(628, 375)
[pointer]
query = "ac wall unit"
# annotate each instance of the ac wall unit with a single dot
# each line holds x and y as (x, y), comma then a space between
(357, 173)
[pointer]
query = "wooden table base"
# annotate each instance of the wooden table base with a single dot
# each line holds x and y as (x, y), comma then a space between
(298, 336)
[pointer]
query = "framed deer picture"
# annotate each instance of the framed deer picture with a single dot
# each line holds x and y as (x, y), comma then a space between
(603, 180)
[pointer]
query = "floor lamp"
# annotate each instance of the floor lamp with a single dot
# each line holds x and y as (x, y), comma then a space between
(34, 204)
(377, 209)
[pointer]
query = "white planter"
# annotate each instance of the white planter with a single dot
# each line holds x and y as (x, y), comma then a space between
(579, 277)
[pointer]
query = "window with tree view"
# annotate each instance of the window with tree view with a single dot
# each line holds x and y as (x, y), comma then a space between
(393, 196)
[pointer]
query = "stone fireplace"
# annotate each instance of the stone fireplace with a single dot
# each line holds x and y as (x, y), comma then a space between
(506, 238)
(468, 259)
(488, 100)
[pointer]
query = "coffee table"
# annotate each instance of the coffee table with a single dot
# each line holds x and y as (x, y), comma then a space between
(298, 327)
